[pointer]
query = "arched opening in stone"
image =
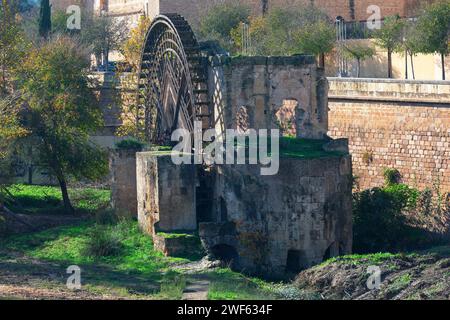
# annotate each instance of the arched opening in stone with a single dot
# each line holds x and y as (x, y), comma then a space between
(227, 254)
(286, 117)
(295, 261)
(242, 120)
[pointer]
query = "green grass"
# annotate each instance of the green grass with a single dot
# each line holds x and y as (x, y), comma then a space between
(137, 265)
(177, 235)
(135, 269)
(138, 270)
(356, 259)
(304, 148)
(291, 147)
(228, 285)
(32, 199)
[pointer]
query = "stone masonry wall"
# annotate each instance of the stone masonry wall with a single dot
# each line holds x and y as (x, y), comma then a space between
(394, 124)
(286, 222)
(268, 93)
(165, 194)
(123, 184)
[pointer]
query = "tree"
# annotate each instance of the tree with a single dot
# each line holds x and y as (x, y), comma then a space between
(45, 19)
(410, 45)
(220, 20)
(358, 51)
(389, 37)
(12, 51)
(59, 111)
(103, 34)
(13, 44)
(132, 115)
(290, 30)
(132, 47)
(433, 27)
(317, 38)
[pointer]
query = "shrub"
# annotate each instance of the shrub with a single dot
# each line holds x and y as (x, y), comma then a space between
(103, 242)
(392, 176)
(106, 217)
(381, 220)
(130, 144)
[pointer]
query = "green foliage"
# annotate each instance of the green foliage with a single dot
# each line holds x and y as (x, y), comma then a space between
(172, 286)
(136, 268)
(289, 30)
(433, 27)
(218, 23)
(106, 217)
(317, 37)
(132, 47)
(13, 46)
(357, 259)
(381, 220)
(359, 51)
(59, 22)
(390, 37)
(45, 20)
(103, 241)
(100, 34)
(61, 111)
(103, 34)
(130, 144)
(391, 176)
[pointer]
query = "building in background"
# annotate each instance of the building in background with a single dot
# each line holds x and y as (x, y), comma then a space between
(353, 12)
(350, 10)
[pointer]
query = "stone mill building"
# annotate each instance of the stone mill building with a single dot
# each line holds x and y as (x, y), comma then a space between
(270, 225)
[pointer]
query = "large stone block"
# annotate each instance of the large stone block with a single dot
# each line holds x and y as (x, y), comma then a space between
(123, 186)
(166, 194)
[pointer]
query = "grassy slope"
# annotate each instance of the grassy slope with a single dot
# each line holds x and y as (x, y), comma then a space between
(137, 272)
(419, 276)
(48, 199)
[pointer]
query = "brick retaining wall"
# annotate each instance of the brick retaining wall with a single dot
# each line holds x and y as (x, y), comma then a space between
(395, 124)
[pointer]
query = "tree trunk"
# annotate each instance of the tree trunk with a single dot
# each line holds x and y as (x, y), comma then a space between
(412, 67)
(358, 66)
(389, 63)
(322, 60)
(443, 65)
(406, 65)
(65, 194)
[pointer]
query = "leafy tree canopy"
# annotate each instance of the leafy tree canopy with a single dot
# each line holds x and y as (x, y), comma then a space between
(433, 27)
(60, 111)
(220, 20)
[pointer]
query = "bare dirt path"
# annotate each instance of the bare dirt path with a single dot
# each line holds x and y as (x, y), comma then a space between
(197, 288)
(22, 277)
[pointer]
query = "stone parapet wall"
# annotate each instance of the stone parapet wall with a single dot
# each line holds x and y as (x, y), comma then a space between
(394, 124)
(287, 93)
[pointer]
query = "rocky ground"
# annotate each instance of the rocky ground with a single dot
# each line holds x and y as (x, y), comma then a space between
(403, 277)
